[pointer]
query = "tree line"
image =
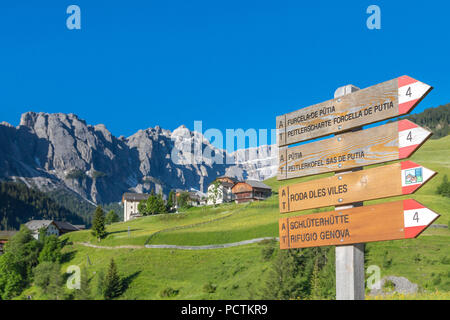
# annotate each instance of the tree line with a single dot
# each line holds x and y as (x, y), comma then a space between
(155, 204)
(19, 204)
(435, 119)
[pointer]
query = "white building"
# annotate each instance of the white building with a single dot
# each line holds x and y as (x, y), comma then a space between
(223, 192)
(130, 204)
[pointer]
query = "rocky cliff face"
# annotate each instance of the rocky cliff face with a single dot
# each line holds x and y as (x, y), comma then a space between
(258, 163)
(62, 151)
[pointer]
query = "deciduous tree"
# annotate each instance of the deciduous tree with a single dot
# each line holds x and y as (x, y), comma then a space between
(112, 217)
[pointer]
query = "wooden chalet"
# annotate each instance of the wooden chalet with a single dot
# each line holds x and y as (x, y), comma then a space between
(250, 190)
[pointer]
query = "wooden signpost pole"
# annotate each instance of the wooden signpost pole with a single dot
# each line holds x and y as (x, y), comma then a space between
(349, 258)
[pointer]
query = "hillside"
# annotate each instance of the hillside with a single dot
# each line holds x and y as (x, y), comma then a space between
(240, 272)
(436, 120)
(19, 204)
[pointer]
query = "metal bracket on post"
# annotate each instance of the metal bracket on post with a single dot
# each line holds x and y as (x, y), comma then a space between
(349, 258)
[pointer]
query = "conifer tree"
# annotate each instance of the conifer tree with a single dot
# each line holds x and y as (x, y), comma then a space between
(142, 207)
(152, 205)
(170, 201)
(161, 206)
(113, 283)
(98, 223)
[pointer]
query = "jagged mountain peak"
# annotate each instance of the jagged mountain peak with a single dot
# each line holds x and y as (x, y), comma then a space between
(6, 124)
(31, 118)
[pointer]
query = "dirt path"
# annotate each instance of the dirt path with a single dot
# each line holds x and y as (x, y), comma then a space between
(87, 244)
(171, 246)
(212, 246)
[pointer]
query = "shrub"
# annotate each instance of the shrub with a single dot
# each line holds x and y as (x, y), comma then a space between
(209, 288)
(267, 252)
(98, 174)
(444, 188)
(437, 280)
(445, 260)
(111, 217)
(388, 286)
(169, 292)
(76, 174)
(418, 258)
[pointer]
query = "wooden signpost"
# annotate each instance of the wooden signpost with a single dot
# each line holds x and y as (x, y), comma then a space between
(388, 142)
(350, 226)
(404, 178)
(380, 102)
(387, 221)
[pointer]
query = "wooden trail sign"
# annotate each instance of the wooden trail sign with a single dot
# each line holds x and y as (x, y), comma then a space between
(387, 221)
(375, 183)
(379, 102)
(393, 141)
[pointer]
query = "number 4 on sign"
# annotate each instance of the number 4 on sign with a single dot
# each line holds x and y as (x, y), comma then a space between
(408, 92)
(411, 137)
(416, 218)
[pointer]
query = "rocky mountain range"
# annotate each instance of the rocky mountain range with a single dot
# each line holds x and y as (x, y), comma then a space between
(62, 151)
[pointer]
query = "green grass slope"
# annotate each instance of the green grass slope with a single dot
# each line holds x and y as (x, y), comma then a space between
(235, 272)
(238, 272)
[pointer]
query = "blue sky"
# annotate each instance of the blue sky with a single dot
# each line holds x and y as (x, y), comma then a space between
(231, 64)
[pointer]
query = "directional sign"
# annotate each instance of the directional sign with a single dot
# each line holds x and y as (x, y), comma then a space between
(388, 142)
(375, 183)
(387, 221)
(380, 102)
